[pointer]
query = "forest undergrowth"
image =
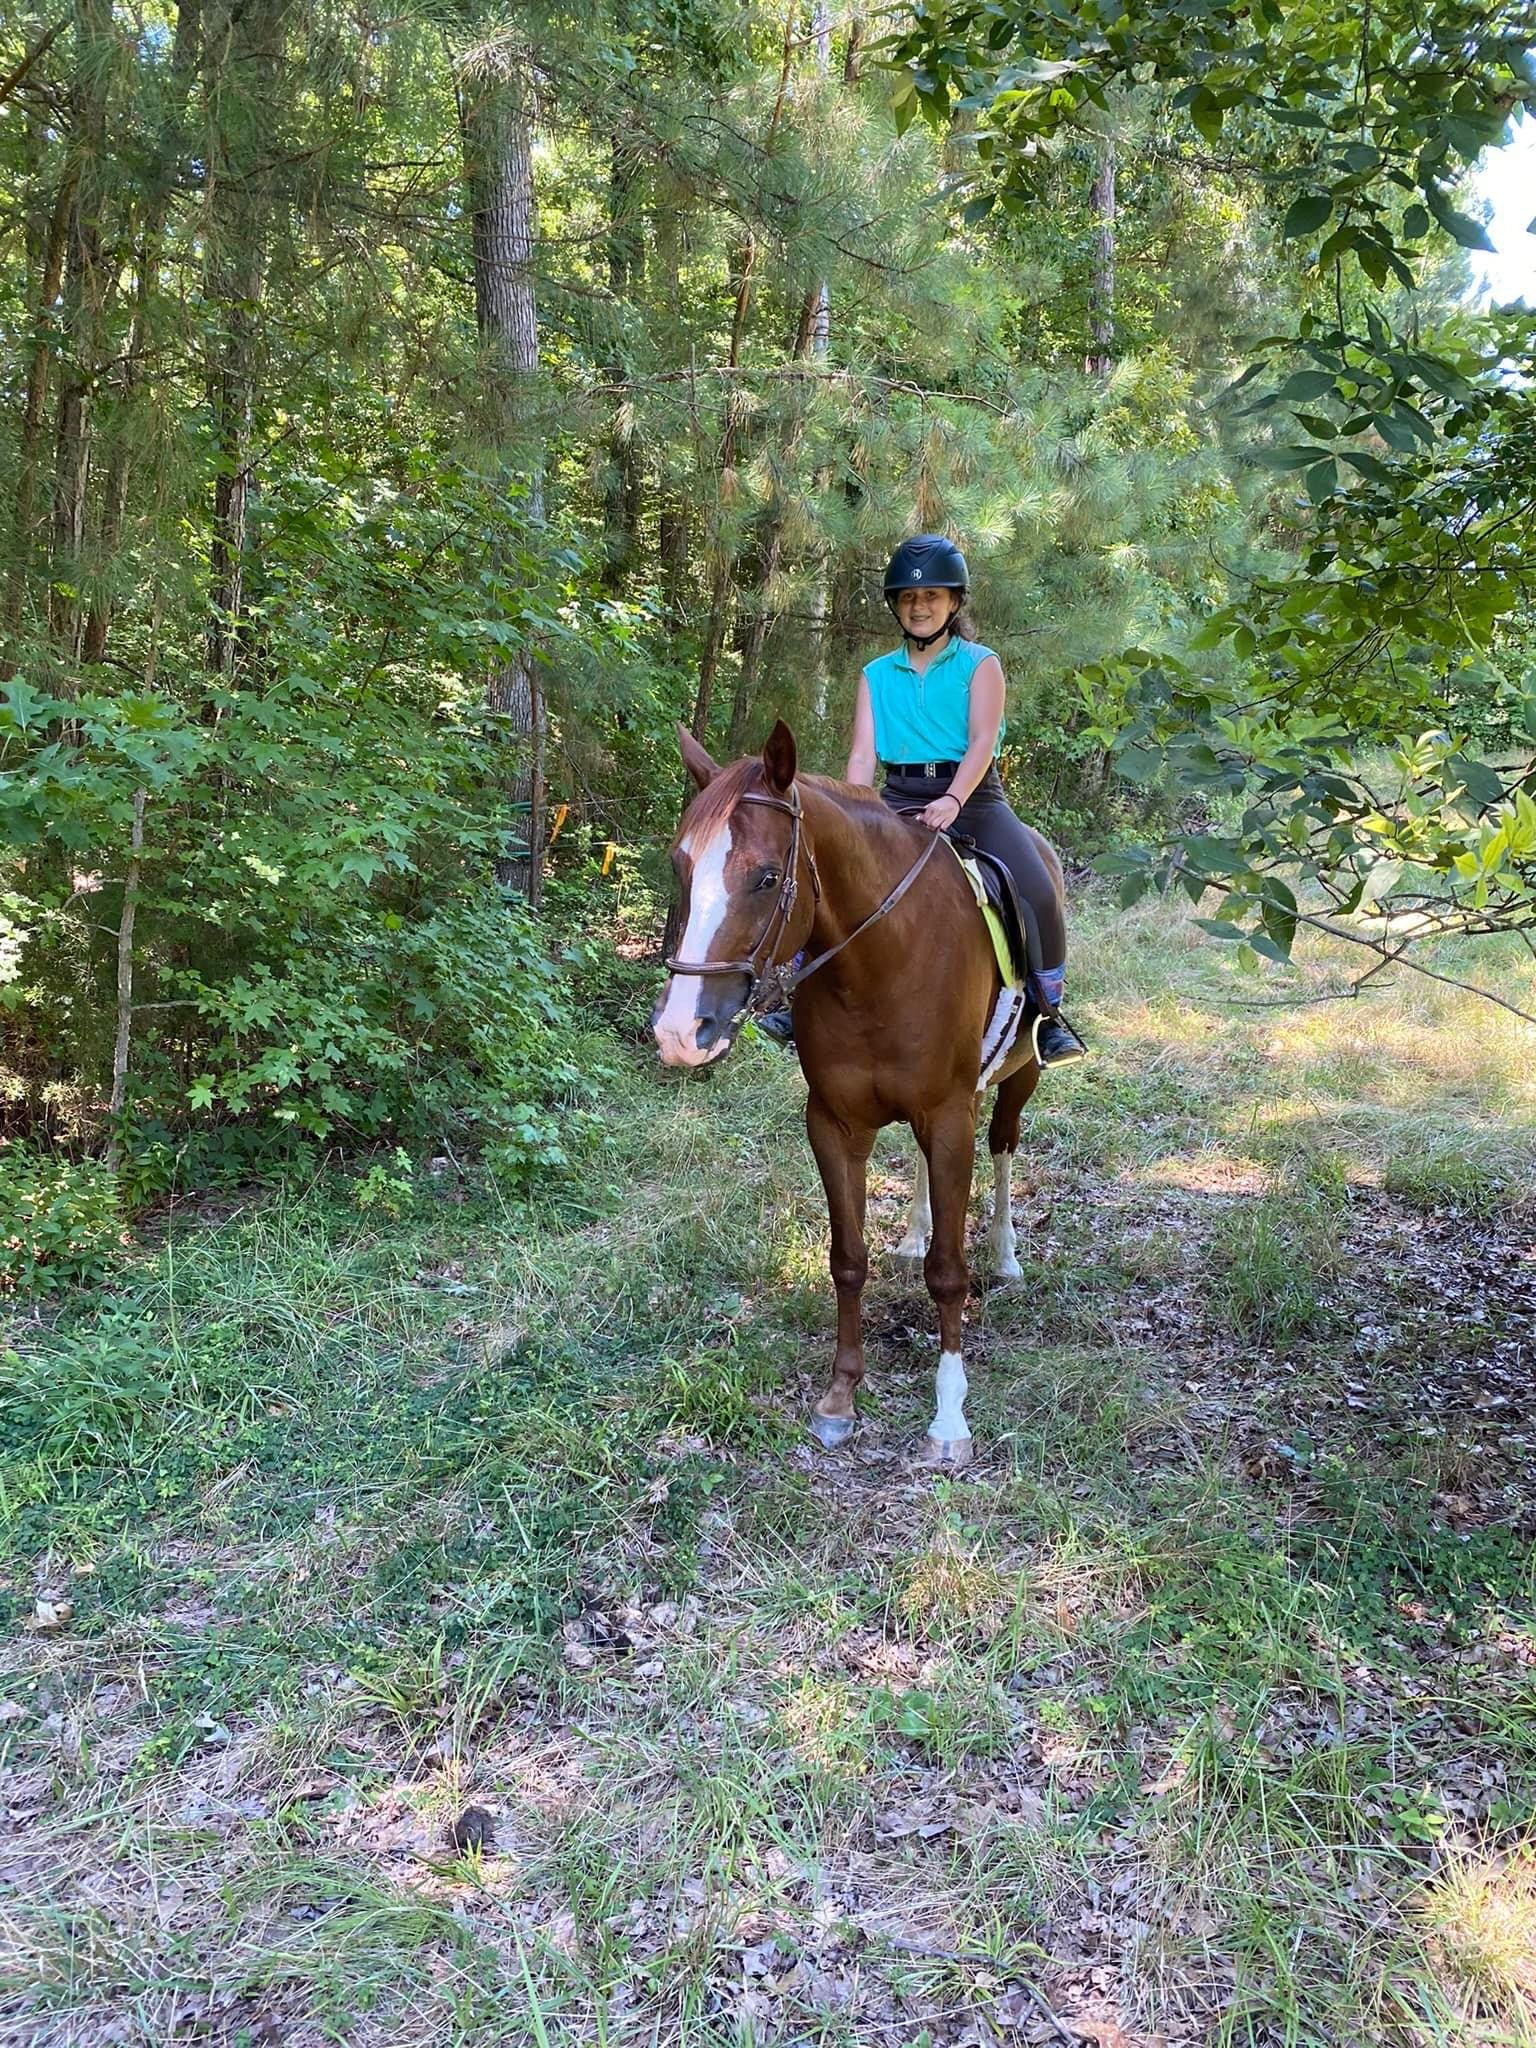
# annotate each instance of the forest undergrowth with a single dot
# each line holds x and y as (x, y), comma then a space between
(436, 1627)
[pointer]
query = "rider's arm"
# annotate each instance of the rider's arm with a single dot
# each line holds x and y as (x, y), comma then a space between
(987, 692)
(861, 754)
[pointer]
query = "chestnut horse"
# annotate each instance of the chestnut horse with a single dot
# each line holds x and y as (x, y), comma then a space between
(776, 867)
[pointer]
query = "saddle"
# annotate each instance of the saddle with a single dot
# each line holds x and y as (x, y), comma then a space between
(996, 893)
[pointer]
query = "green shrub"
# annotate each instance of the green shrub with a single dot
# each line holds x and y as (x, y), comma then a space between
(460, 1024)
(87, 1393)
(60, 1220)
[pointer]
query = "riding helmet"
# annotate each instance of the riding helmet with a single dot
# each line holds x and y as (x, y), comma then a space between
(926, 562)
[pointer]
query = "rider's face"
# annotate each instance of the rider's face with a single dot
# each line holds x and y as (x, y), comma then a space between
(924, 611)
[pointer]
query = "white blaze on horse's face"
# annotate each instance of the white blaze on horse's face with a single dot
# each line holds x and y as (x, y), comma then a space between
(677, 1021)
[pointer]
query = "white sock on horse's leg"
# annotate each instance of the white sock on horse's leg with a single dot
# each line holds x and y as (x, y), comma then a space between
(949, 1425)
(1005, 1246)
(920, 1223)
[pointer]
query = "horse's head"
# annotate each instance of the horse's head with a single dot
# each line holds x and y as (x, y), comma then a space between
(735, 857)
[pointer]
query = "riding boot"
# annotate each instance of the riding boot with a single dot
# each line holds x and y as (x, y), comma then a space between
(1056, 1043)
(779, 1025)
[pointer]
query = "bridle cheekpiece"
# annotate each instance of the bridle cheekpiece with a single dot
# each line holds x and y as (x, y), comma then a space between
(759, 966)
(783, 978)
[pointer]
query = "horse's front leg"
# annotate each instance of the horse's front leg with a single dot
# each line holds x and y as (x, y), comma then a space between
(842, 1154)
(949, 1140)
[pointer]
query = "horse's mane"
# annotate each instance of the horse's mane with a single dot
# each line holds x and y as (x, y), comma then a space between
(716, 799)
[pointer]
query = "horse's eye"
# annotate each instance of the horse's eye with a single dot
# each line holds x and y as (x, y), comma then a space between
(768, 879)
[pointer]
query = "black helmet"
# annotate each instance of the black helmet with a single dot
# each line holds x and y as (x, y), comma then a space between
(926, 562)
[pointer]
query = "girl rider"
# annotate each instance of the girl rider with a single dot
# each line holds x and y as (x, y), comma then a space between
(931, 713)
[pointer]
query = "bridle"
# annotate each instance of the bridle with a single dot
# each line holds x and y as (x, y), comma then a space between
(783, 979)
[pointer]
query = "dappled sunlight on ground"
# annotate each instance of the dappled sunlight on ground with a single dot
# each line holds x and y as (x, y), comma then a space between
(1209, 1172)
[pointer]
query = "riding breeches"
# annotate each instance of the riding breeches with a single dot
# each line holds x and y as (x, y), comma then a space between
(988, 818)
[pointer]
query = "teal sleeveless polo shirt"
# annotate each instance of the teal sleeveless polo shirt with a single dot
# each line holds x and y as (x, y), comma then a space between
(925, 717)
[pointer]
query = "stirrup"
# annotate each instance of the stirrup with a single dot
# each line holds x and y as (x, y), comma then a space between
(1068, 1056)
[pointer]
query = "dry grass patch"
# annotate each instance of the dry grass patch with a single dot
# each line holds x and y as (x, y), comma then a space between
(1480, 1914)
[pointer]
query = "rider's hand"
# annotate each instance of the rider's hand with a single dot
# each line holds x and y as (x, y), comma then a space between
(941, 814)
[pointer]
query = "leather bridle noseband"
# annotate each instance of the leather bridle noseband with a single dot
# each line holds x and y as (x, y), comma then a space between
(787, 977)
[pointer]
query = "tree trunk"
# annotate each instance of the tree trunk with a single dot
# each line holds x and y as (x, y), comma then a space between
(621, 480)
(755, 638)
(123, 1042)
(497, 120)
(244, 60)
(86, 283)
(161, 182)
(1101, 293)
(853, 61)
(821, 346)
(35, 406)
(674, 541)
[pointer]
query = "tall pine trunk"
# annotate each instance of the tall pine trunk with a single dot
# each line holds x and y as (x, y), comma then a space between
(53, 244)
(1101, 292)
(621, 480)
(497, 122)
(676, 515)
(812, 340)
(86, 285)
(160, 182)
(244, 63)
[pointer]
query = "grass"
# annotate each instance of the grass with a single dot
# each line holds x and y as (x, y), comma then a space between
(1203, 1709)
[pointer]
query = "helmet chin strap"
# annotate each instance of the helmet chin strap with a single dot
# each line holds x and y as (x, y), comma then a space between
(923, 641)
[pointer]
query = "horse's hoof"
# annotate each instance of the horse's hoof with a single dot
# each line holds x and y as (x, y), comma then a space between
(946, 1454)
(1008, 1270)
(831, 1430)
(912, 1250)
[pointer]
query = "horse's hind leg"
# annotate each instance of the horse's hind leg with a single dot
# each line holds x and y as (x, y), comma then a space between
(949, 1140)
(1002, 1143)
(920, 1221)
(842, 1155)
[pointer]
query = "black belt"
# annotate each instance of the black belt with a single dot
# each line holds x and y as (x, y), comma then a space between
(922, 771)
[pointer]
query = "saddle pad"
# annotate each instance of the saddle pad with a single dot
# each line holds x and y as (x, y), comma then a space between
(990, 919)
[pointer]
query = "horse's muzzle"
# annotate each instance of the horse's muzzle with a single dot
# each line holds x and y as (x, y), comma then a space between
(695, 1022)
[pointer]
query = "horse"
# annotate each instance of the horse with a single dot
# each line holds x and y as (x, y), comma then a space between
(890, 1011)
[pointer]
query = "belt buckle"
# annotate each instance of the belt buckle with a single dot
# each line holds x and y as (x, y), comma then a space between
(931, 769)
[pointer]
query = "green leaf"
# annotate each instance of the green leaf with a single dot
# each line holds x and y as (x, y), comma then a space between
(1482, 783)
(1307, 384)
(1306, 214)
(1415, 224)
(1471, 234)
(1322, 481)
(26, 706)
(1369, 466)
(1397, 433)
(1289, 457)
(1206, 113)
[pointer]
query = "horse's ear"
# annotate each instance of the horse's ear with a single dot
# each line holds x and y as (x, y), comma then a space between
(779, 758)
(695, 760)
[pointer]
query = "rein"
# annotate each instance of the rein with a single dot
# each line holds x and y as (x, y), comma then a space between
(787, 978)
